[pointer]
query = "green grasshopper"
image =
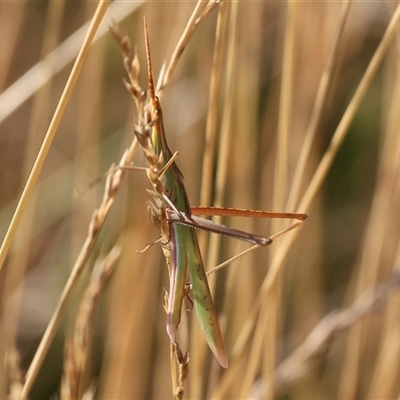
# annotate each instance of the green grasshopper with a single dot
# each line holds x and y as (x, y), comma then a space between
(171, 213)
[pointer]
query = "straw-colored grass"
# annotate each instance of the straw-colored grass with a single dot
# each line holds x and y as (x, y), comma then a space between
(284, 106)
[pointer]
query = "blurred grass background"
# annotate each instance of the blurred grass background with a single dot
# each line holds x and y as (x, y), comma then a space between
(348, 244)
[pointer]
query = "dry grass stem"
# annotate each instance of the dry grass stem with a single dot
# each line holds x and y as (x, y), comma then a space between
(324, 86)
(316, 345)
(18, 262)
(211, 131)
(78, 347)
(197, 16)
(179, 370)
